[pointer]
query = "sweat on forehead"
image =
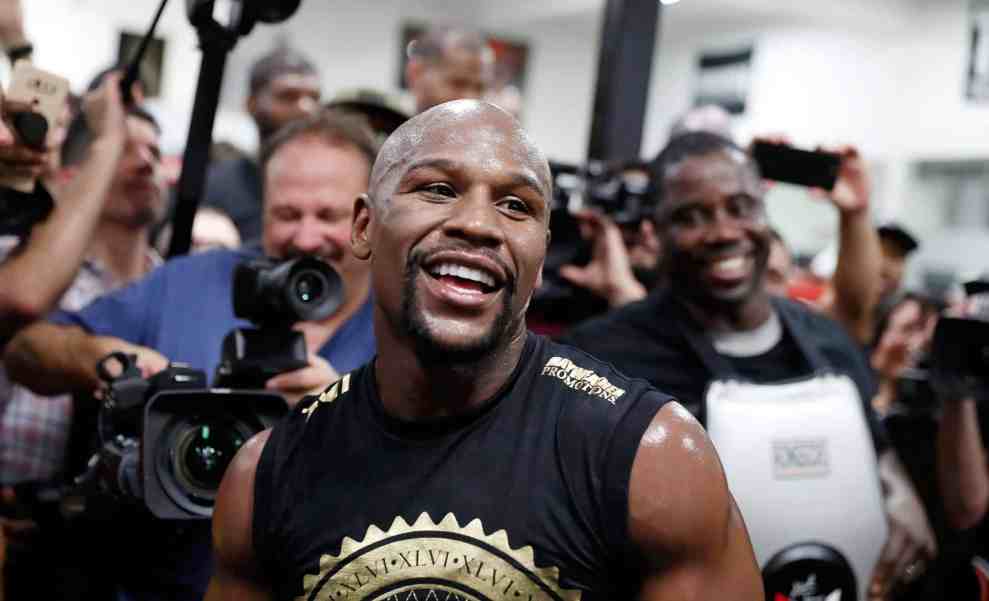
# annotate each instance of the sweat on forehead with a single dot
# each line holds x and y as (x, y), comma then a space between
(451, 120)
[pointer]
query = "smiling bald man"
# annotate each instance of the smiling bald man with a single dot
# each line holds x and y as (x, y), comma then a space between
(472, 459)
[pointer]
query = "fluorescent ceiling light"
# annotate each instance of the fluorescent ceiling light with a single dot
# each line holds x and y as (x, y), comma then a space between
(668, 2)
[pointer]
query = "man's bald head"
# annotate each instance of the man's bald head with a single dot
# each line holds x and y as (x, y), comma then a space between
(468, 122)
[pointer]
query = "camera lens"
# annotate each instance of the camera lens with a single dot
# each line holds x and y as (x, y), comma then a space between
(203, 453)
(309, 287)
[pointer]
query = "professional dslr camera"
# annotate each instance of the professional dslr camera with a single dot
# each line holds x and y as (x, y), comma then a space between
(960, 348)
(168, 439)
(957, 362)
(622, 191)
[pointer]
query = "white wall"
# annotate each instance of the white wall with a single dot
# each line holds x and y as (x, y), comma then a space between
(895, 90)
(891, 85)
(354, 42)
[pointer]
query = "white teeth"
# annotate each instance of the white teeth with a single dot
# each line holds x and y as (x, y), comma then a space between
(461, 271)
(733, 264)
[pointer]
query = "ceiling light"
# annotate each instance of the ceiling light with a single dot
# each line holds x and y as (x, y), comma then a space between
(668, 2)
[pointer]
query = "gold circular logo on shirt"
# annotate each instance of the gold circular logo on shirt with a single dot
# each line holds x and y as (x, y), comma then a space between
(429, 561)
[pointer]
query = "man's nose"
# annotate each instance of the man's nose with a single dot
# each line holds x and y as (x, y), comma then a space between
(309, 238)
(307, 104)
(725, 228)
(475, 218)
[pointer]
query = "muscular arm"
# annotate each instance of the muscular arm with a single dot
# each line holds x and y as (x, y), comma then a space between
(683, 519)
(963, 473)
(236, 575)
(53, 359)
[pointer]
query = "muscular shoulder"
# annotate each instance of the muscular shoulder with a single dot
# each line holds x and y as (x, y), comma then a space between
(677, 491)
(682, 519)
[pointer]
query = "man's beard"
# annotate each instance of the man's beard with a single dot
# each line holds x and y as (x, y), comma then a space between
(431, 351)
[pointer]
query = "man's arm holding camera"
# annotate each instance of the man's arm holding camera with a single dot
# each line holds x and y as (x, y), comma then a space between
(34, 281)
(52, 359)
(609, 273)
(856, 284)
(963, 471)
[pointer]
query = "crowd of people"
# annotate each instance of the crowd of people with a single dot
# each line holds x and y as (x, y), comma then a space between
(430, 425)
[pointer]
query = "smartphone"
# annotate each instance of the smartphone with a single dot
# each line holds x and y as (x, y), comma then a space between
(40, 99)
(783, 163)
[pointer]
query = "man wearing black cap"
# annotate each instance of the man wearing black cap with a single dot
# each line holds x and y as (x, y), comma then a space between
(897, 244)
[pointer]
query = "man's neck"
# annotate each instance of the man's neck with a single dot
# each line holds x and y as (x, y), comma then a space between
(412, 390)
(121, 249)
(738, 317)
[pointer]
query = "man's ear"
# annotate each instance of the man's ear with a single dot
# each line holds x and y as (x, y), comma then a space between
(360, 243)
(251, 105)
(413, 69)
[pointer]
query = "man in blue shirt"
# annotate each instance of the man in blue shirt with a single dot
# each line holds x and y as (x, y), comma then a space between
(314, 169)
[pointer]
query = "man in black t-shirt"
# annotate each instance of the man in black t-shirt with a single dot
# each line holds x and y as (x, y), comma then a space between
(715, 320)
(472, 459)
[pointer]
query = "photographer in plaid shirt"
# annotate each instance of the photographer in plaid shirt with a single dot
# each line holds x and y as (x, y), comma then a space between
(106, 188)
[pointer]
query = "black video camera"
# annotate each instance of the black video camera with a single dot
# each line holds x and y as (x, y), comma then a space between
(168, 439)
(960, 348)
(273, 295)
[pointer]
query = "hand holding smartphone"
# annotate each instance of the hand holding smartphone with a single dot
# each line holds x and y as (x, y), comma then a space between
(783, 163)
(34, 102)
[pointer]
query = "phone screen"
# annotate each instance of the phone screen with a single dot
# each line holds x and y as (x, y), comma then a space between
(783, 163)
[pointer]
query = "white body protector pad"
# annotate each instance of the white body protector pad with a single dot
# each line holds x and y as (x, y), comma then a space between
(802, 467)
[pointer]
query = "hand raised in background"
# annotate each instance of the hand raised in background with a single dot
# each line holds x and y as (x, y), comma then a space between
(609, 273)
(852, 189)
(104, 110)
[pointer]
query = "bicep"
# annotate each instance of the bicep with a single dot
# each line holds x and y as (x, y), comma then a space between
(237, 574)
(682, 518)
(722, 567)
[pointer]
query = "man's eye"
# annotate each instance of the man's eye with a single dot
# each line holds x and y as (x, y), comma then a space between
(743, 206)
(687, 217)
(516, 205)
(438, 190)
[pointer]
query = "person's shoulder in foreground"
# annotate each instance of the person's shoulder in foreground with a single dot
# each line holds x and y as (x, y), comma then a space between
(455, 225)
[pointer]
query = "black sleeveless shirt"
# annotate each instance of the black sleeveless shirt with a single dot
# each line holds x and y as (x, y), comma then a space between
(525, 499)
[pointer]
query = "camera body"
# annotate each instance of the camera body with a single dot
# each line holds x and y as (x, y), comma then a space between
(167, 440)
(622, 191)
(273, 295)
(188, 440)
